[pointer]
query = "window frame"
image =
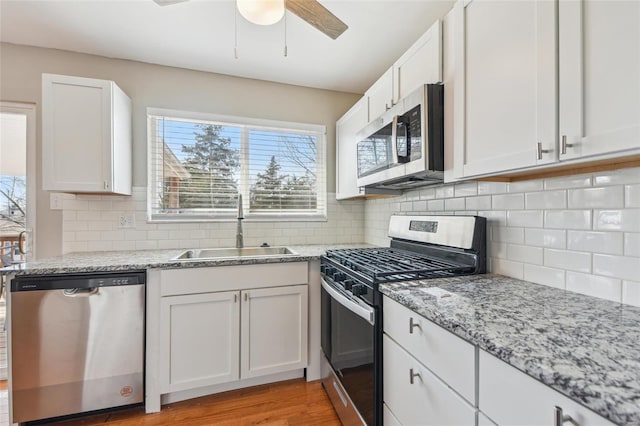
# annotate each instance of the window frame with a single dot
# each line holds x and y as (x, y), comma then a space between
(244, 184)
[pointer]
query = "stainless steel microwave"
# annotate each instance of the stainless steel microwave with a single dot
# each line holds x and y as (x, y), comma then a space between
(404, 148)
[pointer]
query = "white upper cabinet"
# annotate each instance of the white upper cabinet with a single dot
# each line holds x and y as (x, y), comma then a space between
(420, 64)
(380, 95)
(599, 71)
(347, 150)
(505, 85)
(86, 135)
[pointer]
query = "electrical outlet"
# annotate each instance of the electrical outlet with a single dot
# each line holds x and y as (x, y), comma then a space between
(127, 221)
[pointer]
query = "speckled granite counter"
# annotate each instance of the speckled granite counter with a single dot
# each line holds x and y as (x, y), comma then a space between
(144, 259)
(586, 348)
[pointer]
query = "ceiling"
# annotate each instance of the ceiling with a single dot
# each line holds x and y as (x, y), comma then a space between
(200, 35)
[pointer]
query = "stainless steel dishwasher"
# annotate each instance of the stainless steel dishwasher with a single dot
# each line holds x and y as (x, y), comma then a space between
(76, 343)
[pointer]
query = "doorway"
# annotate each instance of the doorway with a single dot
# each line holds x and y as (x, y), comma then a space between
(17, 200)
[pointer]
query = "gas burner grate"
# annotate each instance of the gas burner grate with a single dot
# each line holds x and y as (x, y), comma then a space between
(388, 264)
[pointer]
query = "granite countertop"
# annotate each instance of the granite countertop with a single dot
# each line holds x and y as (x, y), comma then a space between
(586, 348)
(110, 261)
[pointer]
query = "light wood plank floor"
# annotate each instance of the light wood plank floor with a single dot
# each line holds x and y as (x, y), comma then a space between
(293, 402)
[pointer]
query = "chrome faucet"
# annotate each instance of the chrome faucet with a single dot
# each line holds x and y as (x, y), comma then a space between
(239, 235)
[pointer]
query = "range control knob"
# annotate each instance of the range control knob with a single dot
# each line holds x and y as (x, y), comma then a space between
(348, 284)
(339, 276)
(358, 289)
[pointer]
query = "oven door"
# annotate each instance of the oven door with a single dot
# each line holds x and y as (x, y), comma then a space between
(348, 335)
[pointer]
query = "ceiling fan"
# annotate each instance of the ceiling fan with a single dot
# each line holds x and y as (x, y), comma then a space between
(310, 11)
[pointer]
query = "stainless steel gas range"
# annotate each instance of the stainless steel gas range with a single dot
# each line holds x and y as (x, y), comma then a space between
(422, 247)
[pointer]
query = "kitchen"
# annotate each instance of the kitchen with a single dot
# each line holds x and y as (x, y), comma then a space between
(574, 229)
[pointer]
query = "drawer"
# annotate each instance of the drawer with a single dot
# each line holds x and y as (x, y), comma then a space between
(428, 401)
(388, 419)
(229, 278)
(510, 397)
(448, 356)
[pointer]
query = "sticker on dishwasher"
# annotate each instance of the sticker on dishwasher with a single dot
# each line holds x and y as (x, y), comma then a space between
(126, 391)
(438, 292)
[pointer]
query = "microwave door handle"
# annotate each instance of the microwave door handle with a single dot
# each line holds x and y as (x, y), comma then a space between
(394, 140)
(406, 154)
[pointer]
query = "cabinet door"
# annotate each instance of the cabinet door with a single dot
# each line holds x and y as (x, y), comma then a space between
(420, 64)
(76, 134)
(199, 340)
(510, 397)
(416, 396)
(380, 95)
(274, 330)
(599, 77)
(347, 150)
(505, 79)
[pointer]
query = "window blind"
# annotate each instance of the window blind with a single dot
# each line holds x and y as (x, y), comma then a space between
(200, 163)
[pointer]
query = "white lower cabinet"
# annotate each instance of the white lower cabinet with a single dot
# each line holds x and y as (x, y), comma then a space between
(509, 397)
(273, 330)
(388, 419)
(416, 396)
(201, 334)
(248, 327)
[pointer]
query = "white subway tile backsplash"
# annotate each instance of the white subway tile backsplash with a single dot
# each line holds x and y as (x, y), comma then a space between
(525, 186)
(498, 250)
(623, 267)
(632, 244)
(631, 292)
(596, 242)
(466, 189)
(542, 275)
(454, 204)
(607, 197)
(567, 219)
(482, 202)
(617, 220)
(546, 200)
(435, 205)
(593, 285)
(507, 267)
(546, 238)
(579, 181)
(617, 177)
(525, 254)
(525, 218)
(427, 194)
(494, 217)
(446, 191)
(565, 259)
(508, 202)
(632, 195)
(488, 188)
(504, 234)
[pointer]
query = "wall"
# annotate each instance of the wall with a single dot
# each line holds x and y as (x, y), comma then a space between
(580, 233)
(91, 222)
(163, 87)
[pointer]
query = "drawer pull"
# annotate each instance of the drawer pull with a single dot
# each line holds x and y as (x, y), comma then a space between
(559, 418)
(413, 325)
(413, 375)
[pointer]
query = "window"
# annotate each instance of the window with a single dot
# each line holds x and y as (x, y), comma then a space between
(199, 163)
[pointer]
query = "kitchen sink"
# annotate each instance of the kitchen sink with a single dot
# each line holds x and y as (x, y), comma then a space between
(217, 253)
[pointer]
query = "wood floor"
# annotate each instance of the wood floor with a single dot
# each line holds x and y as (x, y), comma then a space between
(293, 402)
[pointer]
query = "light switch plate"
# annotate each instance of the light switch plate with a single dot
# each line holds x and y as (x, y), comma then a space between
(55, 201)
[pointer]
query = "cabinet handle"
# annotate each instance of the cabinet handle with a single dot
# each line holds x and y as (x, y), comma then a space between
(541, 151)
(413, 325)
(235, 298)
(246, 297)
(413, 375)
(387, 107)
(559, 418)
(564, 145)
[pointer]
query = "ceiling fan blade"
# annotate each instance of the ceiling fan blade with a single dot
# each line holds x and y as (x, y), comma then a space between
(318, 16)
(168, 2)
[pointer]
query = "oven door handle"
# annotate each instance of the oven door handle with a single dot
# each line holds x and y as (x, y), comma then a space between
(365, 312)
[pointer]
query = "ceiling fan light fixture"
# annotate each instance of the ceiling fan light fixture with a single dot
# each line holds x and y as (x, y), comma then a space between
(261, 12)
